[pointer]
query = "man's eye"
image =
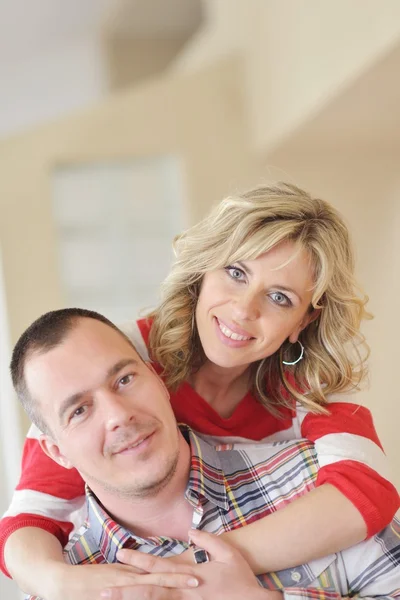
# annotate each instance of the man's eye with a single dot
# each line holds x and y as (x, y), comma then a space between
(79, 411)
(234, 273)
(125, 380)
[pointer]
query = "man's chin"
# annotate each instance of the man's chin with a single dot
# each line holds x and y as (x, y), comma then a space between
(142, 483)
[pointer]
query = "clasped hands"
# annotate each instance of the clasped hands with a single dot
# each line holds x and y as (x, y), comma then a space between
(226, 576)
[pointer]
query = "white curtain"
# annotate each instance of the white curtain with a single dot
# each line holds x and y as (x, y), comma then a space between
(10, 434)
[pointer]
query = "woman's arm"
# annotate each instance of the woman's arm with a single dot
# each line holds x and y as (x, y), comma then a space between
(45, 497)
(33, 558)
(319, 523)
(352, 500)
(352, 459)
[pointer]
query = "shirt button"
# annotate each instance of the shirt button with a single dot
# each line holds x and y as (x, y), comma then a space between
(296, 576)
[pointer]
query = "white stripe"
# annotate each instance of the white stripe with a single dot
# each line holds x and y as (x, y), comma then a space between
(37, 503)
(334, 447)
(302, 411)
(34, 432)
(280, 436)
(348, 397)
(297, 421)
(131, 329)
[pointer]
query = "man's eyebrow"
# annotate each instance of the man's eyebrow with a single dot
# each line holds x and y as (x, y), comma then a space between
(74, 399)
(69, 403)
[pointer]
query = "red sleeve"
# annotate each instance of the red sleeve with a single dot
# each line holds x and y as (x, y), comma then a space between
(40, 475)
(352, 459)
(8, 525)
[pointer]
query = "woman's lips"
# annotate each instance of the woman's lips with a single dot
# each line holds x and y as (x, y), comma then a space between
(232, 336)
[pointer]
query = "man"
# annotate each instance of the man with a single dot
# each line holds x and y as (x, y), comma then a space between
(105, 412)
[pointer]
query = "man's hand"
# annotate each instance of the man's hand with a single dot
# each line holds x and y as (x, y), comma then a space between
(226, 577)
(86, 582)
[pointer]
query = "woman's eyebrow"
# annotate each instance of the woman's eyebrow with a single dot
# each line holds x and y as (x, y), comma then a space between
(245, 268)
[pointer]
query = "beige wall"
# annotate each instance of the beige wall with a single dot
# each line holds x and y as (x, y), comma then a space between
(130, 61)
(298, 55)
(201, 118)
(304, 52)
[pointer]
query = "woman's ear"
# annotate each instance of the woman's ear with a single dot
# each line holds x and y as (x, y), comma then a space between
(312, 316)
(49, 447)
(307, 319)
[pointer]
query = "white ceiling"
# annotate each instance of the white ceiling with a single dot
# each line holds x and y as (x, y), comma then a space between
(30, 27)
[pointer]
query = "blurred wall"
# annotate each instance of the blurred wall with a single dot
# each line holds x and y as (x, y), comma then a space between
(50, 83)
(132, 60)
(297, 54)
(347, 151)
(199, 118)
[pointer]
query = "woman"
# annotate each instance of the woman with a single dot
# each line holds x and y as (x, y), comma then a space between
(258, 337)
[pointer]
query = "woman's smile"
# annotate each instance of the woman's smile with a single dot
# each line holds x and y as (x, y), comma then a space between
(247, 310)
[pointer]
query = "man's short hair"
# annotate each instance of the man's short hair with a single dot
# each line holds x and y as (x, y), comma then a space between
(46, 333)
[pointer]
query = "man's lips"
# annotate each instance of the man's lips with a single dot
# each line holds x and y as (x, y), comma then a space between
(132, 444)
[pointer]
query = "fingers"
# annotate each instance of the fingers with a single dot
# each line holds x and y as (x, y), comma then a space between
(152, 564)
(143, 592)
(218, 549)
(168, 580)
(164, 580)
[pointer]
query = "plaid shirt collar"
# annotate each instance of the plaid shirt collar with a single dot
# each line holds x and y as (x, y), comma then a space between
(206, 481)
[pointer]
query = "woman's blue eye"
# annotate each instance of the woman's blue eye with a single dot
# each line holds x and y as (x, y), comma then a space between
(234, 272)
(280, 298)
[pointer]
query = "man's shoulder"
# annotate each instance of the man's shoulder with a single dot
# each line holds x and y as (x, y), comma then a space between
(283, 464)
(266, 451)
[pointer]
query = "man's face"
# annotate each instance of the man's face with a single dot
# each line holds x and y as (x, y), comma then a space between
(108, 412)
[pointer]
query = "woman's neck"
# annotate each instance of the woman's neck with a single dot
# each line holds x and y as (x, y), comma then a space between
(222, 388)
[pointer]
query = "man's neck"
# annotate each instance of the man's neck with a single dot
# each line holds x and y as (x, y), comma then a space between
(166, 513)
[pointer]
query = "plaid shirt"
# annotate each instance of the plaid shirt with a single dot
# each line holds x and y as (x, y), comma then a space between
(234, 485)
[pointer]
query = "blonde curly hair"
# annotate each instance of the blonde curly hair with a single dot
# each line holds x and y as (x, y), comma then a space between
(243, 227)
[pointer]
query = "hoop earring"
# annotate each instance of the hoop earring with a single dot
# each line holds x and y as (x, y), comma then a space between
(298, 359)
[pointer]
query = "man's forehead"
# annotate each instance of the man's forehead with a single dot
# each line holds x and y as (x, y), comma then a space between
(89, 349)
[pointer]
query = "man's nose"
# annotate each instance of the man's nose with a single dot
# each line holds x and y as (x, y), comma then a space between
(246, 307)
(117, 410)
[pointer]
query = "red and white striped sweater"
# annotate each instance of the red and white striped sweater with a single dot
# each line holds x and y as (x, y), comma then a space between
(350, 456)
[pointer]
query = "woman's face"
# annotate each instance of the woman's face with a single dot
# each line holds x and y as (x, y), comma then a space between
(247, 310)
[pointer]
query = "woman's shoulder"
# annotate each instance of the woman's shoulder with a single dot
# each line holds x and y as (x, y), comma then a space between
(138, 332)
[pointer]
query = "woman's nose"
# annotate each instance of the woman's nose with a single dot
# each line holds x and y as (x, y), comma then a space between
(247, 307)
